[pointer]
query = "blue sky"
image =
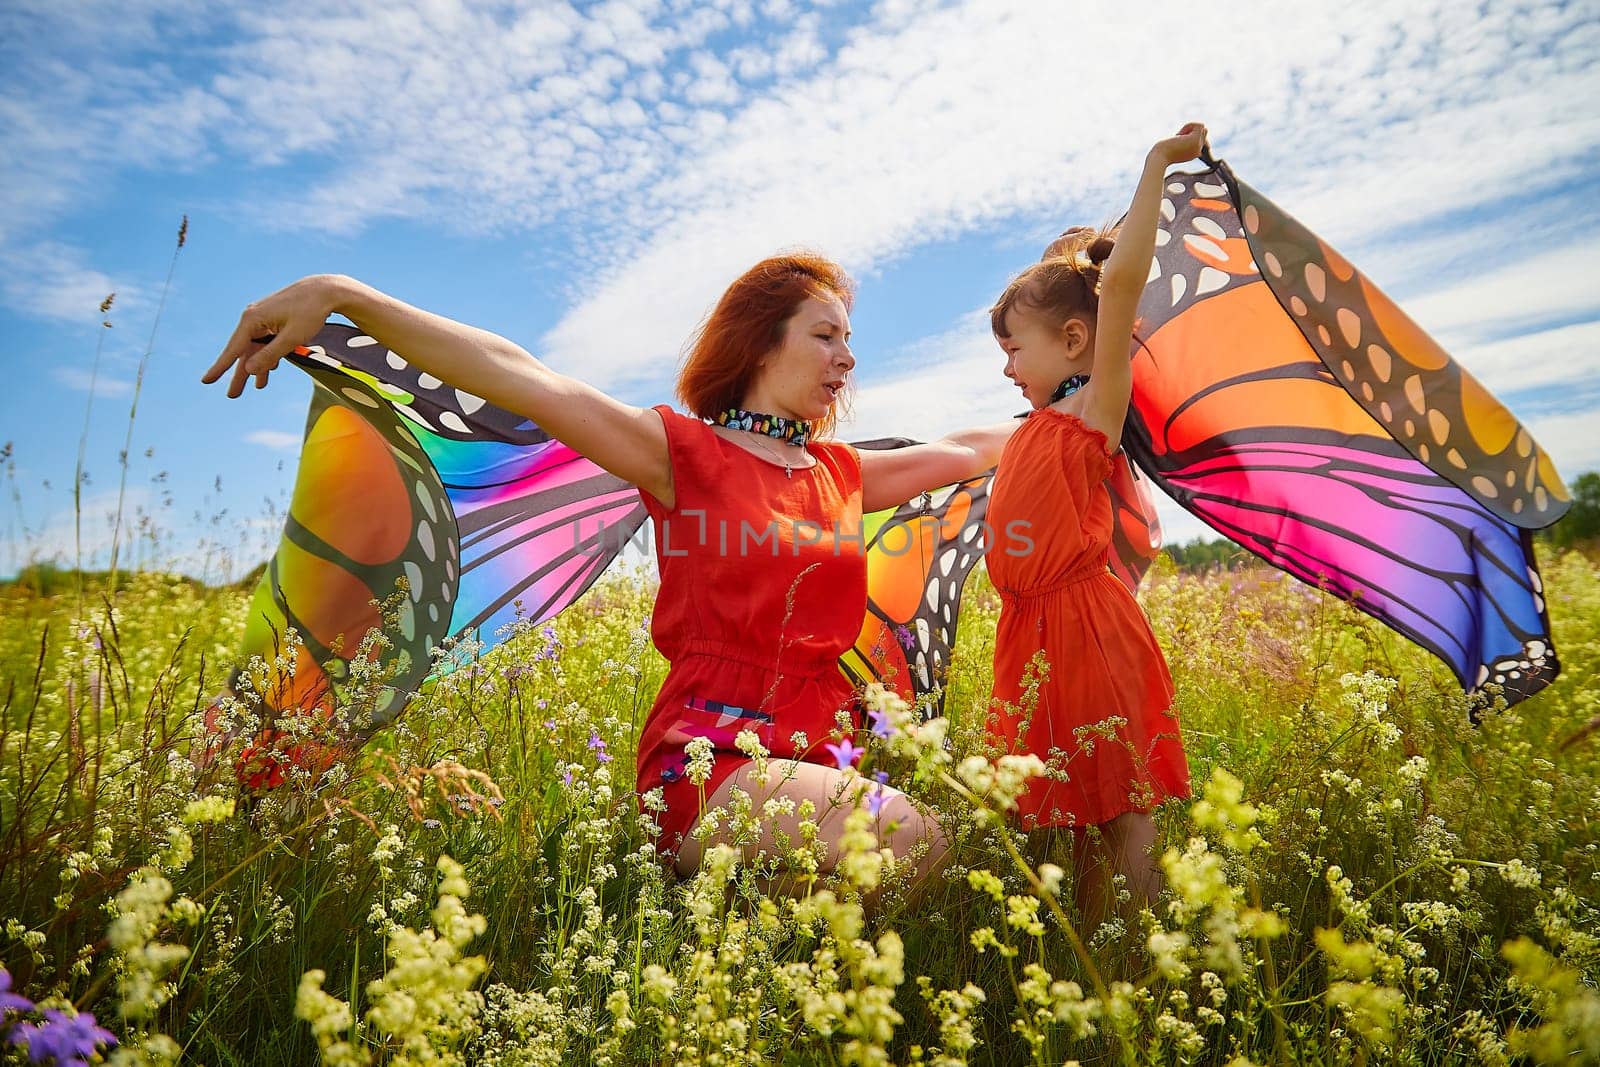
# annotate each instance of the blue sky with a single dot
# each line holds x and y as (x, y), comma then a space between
(585, 179)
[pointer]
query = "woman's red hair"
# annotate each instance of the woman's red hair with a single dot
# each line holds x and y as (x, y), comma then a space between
(748, 322)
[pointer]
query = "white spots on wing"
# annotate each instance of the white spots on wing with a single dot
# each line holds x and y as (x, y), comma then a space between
(428, 381)
(1317, 282)
(425, 539)
(352, 393)
(425, 498)
(1176, 188)
(1162, 237)
(394, 361)
(1211, 279)
(1179, 286)
(1439, 424)
(1414, 393)
(414, 579)
(1349, 326)
(453, 421)
(1274, 268)
(1252, 218)
(1382, 362)
(1208, 227)
(411, 413)
(1213, 192)
(469, 402)
(1202, 248)
(1155, 271)
(1168, 212)
(361, 341)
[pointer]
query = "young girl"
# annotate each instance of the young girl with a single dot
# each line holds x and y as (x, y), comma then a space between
(1102, 719)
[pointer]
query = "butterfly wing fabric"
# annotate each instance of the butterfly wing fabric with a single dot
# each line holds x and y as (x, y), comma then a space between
(486, 518)
(919, 556)
(1135, 526)
(1279, 397)
(918, 559)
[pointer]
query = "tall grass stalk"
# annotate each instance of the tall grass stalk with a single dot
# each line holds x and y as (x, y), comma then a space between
(83, 447)
(133, 406)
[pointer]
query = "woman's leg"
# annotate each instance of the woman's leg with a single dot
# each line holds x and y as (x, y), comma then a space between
(899, 825)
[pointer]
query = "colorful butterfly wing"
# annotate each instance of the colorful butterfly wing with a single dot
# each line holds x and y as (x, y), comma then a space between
(364, 496)
(485, 516)
(1238, 415)
(918, 559)
(1135, 527)
(1399, 375)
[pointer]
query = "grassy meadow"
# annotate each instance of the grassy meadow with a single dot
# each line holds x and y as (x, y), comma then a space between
(1363, 876)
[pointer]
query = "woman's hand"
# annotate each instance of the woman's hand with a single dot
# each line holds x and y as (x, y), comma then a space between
(1188, 143)
(272, 328)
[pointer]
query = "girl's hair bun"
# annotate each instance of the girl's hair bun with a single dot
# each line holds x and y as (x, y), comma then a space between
(1099, 249)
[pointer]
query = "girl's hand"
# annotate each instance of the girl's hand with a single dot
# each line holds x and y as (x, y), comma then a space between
(1189, 143)
(272, 328)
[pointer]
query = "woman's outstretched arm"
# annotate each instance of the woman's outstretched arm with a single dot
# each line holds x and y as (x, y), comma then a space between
(628, 441)
(891, 477)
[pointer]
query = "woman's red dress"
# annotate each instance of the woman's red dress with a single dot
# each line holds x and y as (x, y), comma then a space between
(763, 588)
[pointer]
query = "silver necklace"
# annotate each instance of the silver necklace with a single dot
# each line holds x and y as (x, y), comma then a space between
(788, 468)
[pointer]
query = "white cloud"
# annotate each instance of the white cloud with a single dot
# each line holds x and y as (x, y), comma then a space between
(1511, 296)
(276, 439)
(52, 280)
(1361, 119)
(89, 382)
(1571, 441)
(1566, 355)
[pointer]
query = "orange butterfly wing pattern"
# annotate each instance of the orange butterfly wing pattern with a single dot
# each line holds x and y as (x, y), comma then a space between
(1426, 401)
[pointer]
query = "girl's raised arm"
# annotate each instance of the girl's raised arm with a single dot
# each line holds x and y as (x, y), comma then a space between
(628, 441)
(1122, 281)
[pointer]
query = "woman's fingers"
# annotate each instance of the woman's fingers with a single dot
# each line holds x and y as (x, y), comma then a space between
(234, 351)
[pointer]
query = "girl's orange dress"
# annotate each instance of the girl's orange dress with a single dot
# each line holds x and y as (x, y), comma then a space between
(763, 588)
(1058, 596)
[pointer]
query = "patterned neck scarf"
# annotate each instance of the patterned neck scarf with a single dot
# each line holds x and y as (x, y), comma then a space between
(794, 431)
(1068, 387)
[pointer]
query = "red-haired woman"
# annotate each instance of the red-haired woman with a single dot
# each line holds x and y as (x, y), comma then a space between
(757, 521)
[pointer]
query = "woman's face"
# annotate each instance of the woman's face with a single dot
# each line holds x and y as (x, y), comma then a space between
(802, 377)
(1041, 355)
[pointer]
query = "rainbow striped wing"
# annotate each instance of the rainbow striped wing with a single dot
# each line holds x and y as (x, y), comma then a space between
(919, 556)
(1283, 401)
(486, 518)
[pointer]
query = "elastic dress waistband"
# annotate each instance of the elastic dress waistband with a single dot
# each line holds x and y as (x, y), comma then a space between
(801, 662)
(1071, 578)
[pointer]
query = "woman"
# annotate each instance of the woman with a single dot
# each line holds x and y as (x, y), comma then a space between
(758, 525)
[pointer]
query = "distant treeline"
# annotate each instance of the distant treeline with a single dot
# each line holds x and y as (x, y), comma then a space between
(1578, 528)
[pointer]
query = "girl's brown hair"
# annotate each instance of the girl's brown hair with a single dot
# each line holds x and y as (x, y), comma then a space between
(748, 322)
(1065, 284)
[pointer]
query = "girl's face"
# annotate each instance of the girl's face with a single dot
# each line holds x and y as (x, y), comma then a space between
(802, 377)
(1041, 355)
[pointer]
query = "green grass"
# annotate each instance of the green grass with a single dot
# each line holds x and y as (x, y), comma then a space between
(1353, 748)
